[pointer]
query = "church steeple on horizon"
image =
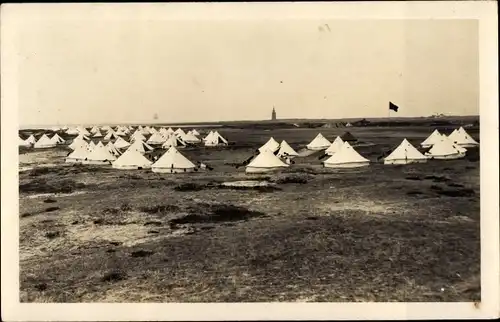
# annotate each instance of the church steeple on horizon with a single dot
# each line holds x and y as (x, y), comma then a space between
(273, 114)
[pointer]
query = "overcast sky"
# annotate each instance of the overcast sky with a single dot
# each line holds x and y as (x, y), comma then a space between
(81, 71)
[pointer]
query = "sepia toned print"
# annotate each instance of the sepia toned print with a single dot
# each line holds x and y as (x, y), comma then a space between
(310, 160)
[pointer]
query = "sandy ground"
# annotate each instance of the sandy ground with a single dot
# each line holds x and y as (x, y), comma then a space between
(379, 233)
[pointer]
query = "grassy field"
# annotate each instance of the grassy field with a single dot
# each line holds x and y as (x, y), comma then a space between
(380, 233)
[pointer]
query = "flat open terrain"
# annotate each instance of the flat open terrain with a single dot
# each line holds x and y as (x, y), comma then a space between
(379, 233)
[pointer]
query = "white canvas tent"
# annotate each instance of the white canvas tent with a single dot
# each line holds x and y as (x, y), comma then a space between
(44, 142)
(97, 134)
(270, 145)
(31, 139)
(57, 139)
(111, 135)
(445, 149)
(215, 140)
(319, 143)
(156, 138)
(346, 157)
(94, 129)
(121, 143)
(335, 146)
(286, 150)
(265, 161)
(140, 146)
(131, 159)
(99, 156)
(431, 139)
(112, 149)
(180, 132)
(23, 143)
(462, 138)
(173, 161)
(405, 153)
(72, 131)
(190, 138)
(82, 130)
(196, 133)
(173, 141)
(79, 154)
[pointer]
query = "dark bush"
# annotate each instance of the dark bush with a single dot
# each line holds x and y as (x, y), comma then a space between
(52, 234)
(458, 193)
(414, 192)
(456, 185)
(125, 207)
(292, 179)
(217, 213)
(141, 253)
(413, 177)
(42, 186)
(114, 276)
(437, 178)
(26, 214)
(159, 209)
(41, 287)
(39, 171)
(52, 209)
(189, 186)
(49, 200)
(113, 211)
(153, 223)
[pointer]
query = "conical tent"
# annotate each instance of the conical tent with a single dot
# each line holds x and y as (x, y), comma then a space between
(431, 139)
(31, 139)
(462, 138)
(173, 162)
(138, 136)
(57, 139)
(180, 132)
(112, 149)
(195, 132)
(190, 138)
(94, 129)
(215, 139)
(208, 136)
(99, 156)
(72, 131)
(91, 145)
(156, 138)
(347, 136)
(111, 135)
(346, 157)
(170, 131)
(405, 153)
(121, 143)
(173, 141)
(266, 161)
(79, 154)
(335, 146)
(82, 130)
(97, 134)
(23, 143)
(44, 142)
(286, 150)
(270, 145)
(140, 146)
(132, 159)
(319, 143)
(99, 144)
(445, 149)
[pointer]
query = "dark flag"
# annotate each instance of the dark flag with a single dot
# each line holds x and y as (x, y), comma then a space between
(393, 107)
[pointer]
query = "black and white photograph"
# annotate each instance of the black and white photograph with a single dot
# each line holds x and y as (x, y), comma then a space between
(248, 155)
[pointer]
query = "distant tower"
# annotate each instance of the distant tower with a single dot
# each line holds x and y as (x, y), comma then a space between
(273, 115)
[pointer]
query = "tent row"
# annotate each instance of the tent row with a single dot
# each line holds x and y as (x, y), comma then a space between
(43, 142)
